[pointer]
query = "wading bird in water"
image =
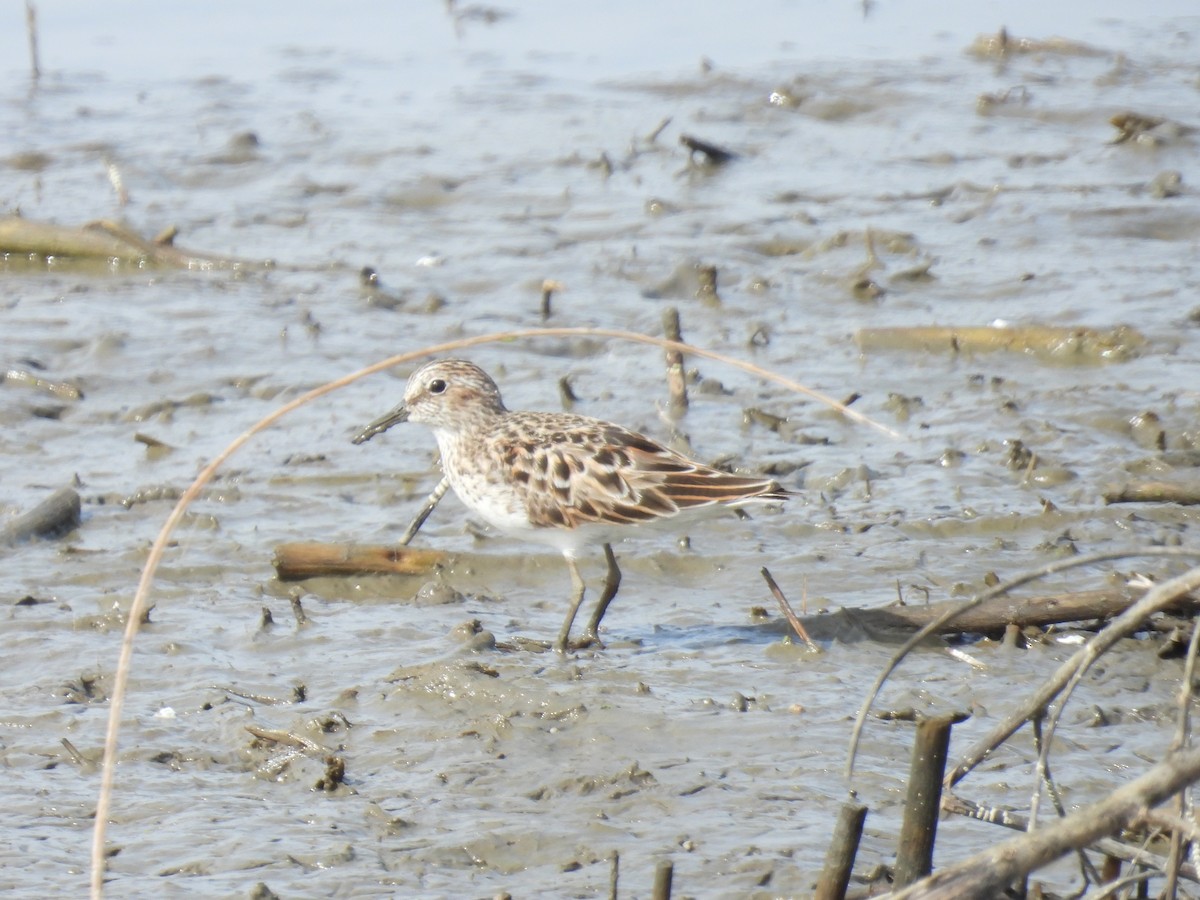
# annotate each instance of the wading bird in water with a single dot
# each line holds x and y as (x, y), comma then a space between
(559, 479)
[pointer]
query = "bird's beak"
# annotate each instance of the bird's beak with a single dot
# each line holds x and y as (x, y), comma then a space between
(382, 424)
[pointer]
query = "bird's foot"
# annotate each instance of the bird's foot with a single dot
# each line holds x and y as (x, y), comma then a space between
(587, 640)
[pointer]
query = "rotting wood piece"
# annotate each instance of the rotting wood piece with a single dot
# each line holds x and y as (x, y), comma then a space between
(991, 618)
(1154, 492)
(1056, 342)
(103, 241)
(1132, 851)
(58, 513)
(987, 874)
(295, 562)
(918, 830)
(839, 859)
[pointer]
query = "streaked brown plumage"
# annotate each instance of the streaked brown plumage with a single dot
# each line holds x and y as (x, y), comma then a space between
(559, 479)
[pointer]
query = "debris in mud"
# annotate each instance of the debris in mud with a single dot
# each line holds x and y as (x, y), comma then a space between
(103, 242)
(1050, 342)
(710, 154)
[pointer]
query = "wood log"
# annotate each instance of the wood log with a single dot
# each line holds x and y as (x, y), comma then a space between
(1074, 343)
(103, 241)
(991, 618)
(295, 562)
(1131, 851)
(1154, 492)
(58, 513)
(918, 829)
(839, 859)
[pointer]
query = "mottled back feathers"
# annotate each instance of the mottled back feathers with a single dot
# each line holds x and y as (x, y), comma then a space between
(557, 470)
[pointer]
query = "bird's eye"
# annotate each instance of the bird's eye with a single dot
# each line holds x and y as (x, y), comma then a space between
(437, 386)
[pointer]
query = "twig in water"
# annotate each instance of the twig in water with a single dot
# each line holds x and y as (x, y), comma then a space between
(1067, 677)
(35, 67)
(1045, 778)
(661, 127)
(75, 754)
(792, 618)
(548, 289)
(713, 155)
(676, 378)
(298, 609)
(986, 874)
(614, 872)
(1175, 859)
(1013, 722)
(1110, 847)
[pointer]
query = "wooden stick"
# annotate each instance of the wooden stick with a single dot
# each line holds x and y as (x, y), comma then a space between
(31, 29)
(294, 562)
(1182, 733)
(1064, 679)
(1154, 492)
(991, 617)
(988, 596)
(676, 377)
(791, 616)
(839, 858)
(105, 240)
(1017, 822)
(663, 873)
(1052, 341)
(987, 874)
(548, 288)
(711, 153)
(914, 854)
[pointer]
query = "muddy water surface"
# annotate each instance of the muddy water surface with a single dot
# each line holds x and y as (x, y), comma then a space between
(890, 171)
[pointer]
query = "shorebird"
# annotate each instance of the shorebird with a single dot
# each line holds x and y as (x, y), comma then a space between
(558, 479)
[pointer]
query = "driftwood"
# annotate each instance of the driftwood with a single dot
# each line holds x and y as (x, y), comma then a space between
(64, 390)
(1131, 851)
(294, 562)
(992, 617)
(58, 513)
(987, 874)
(1154, 492)
(1064, 343)
(1166, 595)
(104, 241)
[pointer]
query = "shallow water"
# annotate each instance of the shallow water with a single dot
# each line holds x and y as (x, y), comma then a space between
(468, 160)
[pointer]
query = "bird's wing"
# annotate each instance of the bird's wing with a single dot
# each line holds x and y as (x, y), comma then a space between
(607, 474)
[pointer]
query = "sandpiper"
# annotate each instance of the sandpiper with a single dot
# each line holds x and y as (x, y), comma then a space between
(559, 479)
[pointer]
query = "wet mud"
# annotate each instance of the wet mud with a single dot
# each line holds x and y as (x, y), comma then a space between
(402, 735)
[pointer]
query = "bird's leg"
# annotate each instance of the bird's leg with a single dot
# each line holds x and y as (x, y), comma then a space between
(430, 504)
(577, 588)
(612, 582)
